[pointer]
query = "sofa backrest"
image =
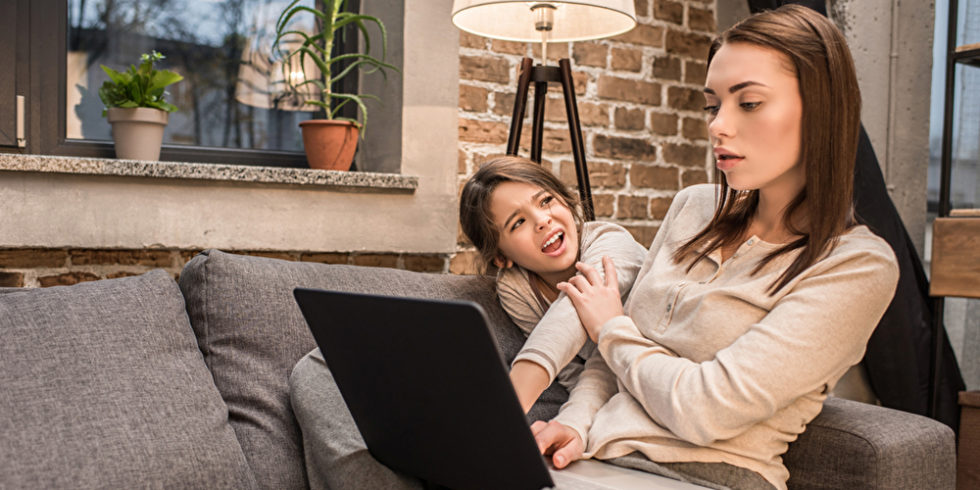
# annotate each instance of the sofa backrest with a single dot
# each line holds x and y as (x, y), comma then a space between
(103, 386)
(252, 334)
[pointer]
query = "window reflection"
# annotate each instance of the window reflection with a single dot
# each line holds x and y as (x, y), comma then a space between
(221, 47)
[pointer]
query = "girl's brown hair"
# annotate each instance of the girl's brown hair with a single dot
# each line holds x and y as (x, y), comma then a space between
(829, 138)
(474, 201)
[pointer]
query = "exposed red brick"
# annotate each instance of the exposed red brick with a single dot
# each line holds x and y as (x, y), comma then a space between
(638, 91)
(627, 59)
(663, 124)
(150, 258)
(556, 141)
(11, 279)
(508, 47)
(694, 128)
(483, 131)
(325, 257)
(461, 161)
(603, 205)
(630, 119)
(503, 104)
(271, 254)
(590, 114)
(684, 154)
(424, 262)
(667, 67)
(643, 34)
(473, 98)
(556, 51)
(700, 19)
(590, 54)
(624, 148)
(467, 40)
(659, 206)
(66, 279)
(688, 44)
(685, 99)
(695, 72)
(669, 11)
(653, 177)
(118, 274)
(642, 8)
(632, 207)
(187, 255)
(33, 257)
(376, 260)
(694, 176)
(485, 68)
(601, 174)
(642, 233)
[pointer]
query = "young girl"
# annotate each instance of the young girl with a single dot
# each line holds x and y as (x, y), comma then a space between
(757, 294)
(524, 220)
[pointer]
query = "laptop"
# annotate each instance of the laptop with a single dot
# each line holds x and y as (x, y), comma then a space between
(431, 396)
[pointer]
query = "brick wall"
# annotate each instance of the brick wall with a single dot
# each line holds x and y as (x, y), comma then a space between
(639, 101)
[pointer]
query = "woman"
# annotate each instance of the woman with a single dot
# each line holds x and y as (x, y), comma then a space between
(757, 294)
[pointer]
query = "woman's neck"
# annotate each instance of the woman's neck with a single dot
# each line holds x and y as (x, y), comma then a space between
(768, 221)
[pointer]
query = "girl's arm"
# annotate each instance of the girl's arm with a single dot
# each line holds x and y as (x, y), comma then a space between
(559, 336)
(808, 339)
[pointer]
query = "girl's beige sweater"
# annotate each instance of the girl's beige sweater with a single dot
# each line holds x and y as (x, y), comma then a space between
(707, 366)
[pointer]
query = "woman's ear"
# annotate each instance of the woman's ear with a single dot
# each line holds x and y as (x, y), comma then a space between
(502, 262)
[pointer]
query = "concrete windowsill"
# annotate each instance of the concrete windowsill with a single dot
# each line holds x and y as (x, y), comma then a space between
(305, 177)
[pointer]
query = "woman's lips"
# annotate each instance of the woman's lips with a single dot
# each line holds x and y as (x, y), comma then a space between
(725, 164)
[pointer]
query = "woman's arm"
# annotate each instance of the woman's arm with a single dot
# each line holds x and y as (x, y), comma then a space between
(809, 338)
(559, 336)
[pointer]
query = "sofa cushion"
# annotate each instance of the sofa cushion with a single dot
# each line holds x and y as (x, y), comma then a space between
(857, 445)
(252, 333)
(104, 386)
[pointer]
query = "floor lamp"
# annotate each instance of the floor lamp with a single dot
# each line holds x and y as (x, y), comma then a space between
(547, 22)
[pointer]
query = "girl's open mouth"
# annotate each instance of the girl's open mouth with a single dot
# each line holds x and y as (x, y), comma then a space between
(554, 243)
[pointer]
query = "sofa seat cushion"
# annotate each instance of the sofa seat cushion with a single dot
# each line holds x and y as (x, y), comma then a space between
(252, 333)
(104, 387)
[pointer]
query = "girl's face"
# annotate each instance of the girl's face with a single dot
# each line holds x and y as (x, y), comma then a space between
(754, 119)
(537, 231)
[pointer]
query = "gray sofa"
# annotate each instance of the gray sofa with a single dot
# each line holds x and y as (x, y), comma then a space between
(144, 382)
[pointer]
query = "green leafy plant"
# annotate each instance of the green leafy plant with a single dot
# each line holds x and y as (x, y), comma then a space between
(138, 87)
(294, 46)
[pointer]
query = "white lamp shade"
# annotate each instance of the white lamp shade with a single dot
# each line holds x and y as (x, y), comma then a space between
(573, 20)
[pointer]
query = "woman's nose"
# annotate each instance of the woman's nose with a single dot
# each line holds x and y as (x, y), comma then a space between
(719, 126)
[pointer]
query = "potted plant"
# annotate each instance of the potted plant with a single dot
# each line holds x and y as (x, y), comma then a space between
(135, 106)
(329, 142)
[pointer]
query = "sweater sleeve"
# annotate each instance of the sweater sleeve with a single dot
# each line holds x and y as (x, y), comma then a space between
(809, 338)
(559, 336)
(595, 386)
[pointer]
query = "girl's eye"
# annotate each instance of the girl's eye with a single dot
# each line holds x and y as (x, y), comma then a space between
(547, 201)
(749, 106)
(517, 222)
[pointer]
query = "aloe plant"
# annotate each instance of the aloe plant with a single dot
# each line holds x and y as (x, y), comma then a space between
(138, 87)
(316, 47)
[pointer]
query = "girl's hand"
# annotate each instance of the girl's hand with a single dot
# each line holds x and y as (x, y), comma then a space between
(559, 441)
(596, 300)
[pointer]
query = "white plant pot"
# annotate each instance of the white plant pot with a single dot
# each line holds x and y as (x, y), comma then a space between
(138, 132)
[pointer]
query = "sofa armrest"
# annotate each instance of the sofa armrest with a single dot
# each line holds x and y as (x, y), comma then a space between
(857, 445)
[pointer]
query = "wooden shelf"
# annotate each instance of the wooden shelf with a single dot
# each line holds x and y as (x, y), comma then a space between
(968, 54)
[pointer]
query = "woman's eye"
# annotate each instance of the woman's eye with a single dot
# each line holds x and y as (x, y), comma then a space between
(711, 109)
(517, 222)
(749, 106)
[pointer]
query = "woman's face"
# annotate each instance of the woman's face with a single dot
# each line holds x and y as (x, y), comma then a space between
(754, 119)
(537, 231)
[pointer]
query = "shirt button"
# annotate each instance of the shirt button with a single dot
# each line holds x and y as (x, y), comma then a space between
(669, 307)
(750, 242)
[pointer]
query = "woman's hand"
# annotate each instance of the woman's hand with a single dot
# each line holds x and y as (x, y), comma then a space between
(559, 441)
(596, 300)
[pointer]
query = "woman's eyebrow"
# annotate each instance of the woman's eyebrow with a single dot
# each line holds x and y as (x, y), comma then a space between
(736, 87)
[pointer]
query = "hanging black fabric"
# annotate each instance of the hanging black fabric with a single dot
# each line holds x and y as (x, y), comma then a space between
(898, 359)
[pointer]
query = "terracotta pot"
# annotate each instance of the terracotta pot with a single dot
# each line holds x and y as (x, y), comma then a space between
(329, 144)
(138, 132)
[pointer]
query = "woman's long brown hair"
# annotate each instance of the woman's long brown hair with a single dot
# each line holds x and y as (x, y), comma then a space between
(829, 138)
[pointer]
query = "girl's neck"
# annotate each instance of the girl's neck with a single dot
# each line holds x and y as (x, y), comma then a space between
(546, 288)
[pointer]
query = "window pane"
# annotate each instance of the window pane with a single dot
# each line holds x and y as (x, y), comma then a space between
(221, 47)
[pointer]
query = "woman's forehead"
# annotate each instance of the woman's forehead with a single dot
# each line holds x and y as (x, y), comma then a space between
(738, 62)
